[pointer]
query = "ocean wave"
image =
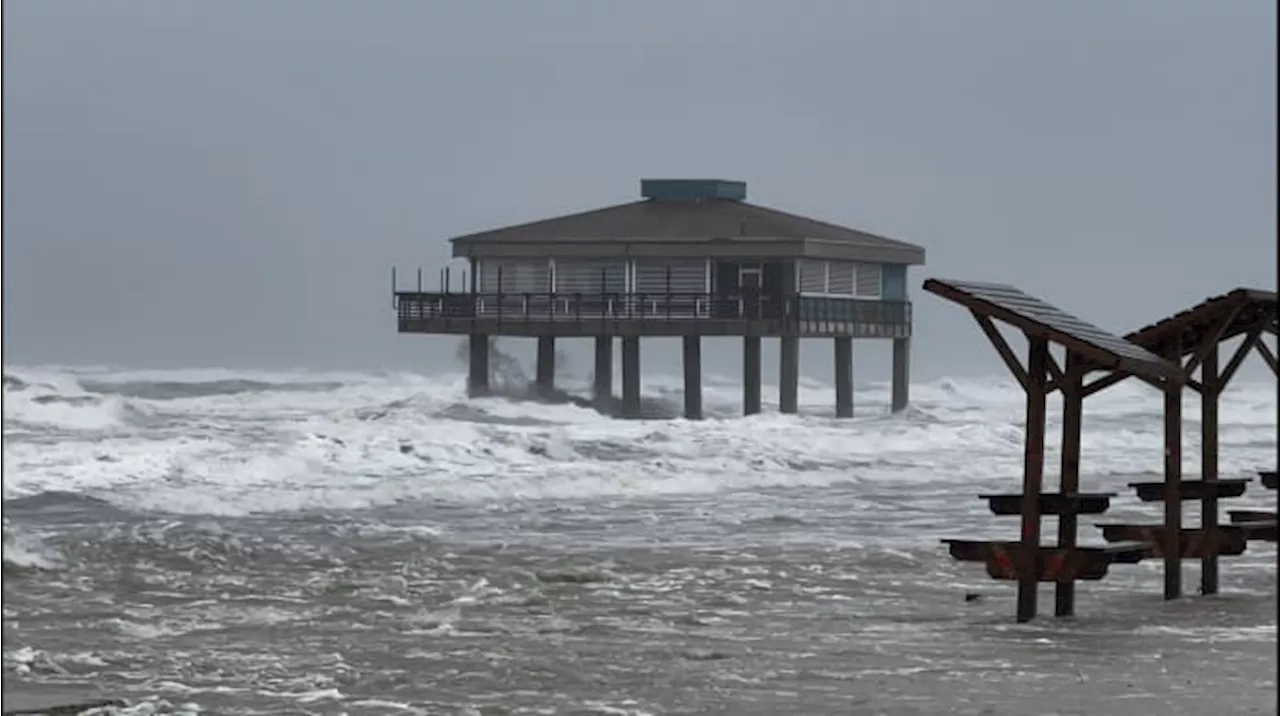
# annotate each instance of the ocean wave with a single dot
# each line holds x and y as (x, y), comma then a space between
(225, 443)
(25, 551)
(176, 390)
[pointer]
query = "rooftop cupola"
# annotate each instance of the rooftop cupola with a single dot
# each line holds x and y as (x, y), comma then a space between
(693, 189)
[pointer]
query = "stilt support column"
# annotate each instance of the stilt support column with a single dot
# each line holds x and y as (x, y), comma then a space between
(602, 380)
(751, 375)
(478, 366)
(901, 374)
(844, 376)
(546, 367)
(789, 375)
(693, 377)
(631, 377)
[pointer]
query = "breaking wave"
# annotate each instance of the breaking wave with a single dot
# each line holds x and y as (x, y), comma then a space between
(228, 442)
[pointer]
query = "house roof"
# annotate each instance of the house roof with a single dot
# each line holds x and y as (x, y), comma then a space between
(702, 220)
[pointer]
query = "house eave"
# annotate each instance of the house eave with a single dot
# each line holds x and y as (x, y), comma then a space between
(764, 247)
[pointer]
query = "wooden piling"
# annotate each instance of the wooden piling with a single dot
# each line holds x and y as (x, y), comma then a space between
(1033, 477)
(1064, 597)
(1209, 396)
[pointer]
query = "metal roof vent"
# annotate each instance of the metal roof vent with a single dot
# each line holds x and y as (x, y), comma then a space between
(693, 189)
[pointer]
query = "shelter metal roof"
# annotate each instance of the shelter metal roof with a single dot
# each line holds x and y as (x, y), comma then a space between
(1245, 307)
(1037, 317)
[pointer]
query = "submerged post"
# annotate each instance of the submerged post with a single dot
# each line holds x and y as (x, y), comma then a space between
(1032, 478)
(1064, 592)
(789, 374)
(844, 376)
(1210, 392)
(478, 365)
(631, 376)
(751, 375)
(1172, 546)
(901, 374)
(692, 377)
(545, 370)
(602, 379)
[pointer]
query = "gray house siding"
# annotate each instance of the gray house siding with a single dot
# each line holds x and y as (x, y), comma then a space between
(516, 276)
(868, 280)
(590, 276)
(843, 279)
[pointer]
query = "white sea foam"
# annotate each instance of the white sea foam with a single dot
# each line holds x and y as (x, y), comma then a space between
(25, 550)
(225, 442)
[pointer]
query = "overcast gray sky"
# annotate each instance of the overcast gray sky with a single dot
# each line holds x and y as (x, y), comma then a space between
(227, 184)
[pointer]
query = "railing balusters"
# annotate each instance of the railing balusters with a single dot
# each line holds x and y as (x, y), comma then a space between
(819, 313)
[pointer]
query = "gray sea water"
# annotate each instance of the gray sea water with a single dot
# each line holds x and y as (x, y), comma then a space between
(208, 542)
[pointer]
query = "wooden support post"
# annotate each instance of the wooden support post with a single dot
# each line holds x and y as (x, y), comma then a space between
(1068, 523)
(1209, 396)
(750, 375)
(1033, 477)
(901, 388)
(692, 354)
(844, 376)
(631, 376)
(1172, 546)
(602, 380)
(478, 365)
(789, 375)
(545, 368)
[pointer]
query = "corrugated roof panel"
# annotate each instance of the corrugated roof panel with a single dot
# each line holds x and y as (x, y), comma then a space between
(1038, 312)
(1188, 325)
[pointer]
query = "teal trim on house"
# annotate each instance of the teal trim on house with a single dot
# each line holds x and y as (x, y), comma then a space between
(815, 308)
(693, 189)
(893, 282)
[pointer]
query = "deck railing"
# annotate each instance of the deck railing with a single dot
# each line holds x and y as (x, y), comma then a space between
(417, 306)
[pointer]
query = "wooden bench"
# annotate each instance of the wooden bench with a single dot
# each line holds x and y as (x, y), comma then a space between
(1053, 503)
(1262, 530)
(1192, 489)
(1251, 516)
(1053, 564)
(1194, 543)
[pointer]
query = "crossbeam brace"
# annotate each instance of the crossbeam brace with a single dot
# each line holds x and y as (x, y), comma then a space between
(1265, 351)
(1242, 351)
(1002, 347)
(1215, 334)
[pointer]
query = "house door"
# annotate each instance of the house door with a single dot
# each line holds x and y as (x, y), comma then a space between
(749, 284)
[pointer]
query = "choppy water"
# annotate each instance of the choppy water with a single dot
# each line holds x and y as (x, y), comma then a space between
(376, 544)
